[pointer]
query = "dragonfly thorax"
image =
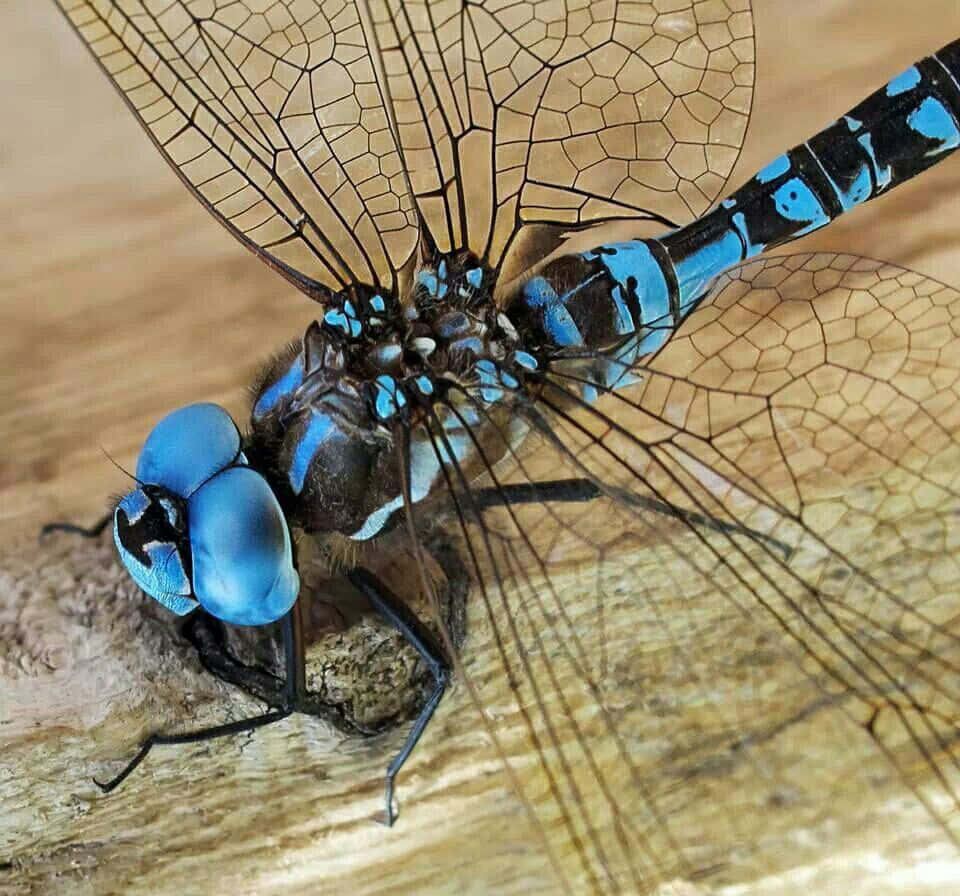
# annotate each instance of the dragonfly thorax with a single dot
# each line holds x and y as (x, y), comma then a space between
(327, 410)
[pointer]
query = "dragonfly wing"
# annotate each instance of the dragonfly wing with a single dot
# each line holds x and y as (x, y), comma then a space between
(777, 652)
(273, 116)
(565, 112)
(278, 117)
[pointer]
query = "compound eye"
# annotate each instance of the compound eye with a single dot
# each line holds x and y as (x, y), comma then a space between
(150, 532)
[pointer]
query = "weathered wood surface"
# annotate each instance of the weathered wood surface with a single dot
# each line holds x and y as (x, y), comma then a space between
(120, 300)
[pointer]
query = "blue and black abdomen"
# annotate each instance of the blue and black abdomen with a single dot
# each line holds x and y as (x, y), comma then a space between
(627, 298)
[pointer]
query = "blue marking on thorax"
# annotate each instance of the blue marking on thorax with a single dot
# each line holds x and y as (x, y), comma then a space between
(388, 398)
(475, 277)
(424, 385)
(429, 281)
(557, 322)
(780, 165)
(489, 377)
(795, 201)
(525, 360)
(318, 429)
(345, 320)
(698, 270)
(882, 176)
(932, 120)
(284, 386)
(903, 82)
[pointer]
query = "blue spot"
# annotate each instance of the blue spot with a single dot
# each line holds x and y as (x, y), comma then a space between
(378, 304)
(442, 270)
(509, 380)
(429, 281)
(442, 289)
(284, 386)
(169, 511)
(903, 82)
(343, 320)
(424, 385)
(780, 165)
(489, 377)
(475, 277)
(525, 360)
(318, 429)
(933, 121)
(557, 322)
(634, 260)
(388, 399)
(795, 201)
(729, 203)
(853, 124)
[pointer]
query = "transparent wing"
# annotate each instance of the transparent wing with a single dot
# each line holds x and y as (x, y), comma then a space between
(278, 116)
(565, 111)
(272, 114)
(718, 685)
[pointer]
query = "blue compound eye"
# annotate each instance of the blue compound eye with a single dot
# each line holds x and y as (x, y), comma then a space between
(150, 532)
(242, 557)
(187, 447)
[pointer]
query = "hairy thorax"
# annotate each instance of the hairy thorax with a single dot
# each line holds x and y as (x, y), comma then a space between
(441, 370)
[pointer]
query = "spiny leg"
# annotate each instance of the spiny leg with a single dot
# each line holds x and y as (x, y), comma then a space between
(91, 532)
(293, 661)
(395, 612)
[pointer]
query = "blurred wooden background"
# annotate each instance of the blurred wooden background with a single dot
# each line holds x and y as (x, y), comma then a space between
(120, 299)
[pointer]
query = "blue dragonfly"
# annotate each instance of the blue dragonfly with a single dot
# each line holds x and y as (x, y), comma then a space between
(476, 340)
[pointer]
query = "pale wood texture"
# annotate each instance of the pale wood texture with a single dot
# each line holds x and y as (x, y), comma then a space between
(120, 299)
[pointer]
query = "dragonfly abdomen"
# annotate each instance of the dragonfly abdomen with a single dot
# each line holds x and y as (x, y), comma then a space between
(624, 300)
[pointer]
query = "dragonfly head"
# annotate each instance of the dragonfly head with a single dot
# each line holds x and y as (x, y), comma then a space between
(203, 528)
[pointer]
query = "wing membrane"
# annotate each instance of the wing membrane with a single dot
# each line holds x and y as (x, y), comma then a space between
(804, 651)
(272, 114)
(277, 115)
(564, 112)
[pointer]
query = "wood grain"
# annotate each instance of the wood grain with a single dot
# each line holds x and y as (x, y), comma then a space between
(120, 299)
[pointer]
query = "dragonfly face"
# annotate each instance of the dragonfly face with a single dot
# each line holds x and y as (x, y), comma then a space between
(203, 527)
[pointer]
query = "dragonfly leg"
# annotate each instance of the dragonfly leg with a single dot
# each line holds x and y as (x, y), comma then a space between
(208, 636)
(293, 660)
(85, 532)
(393, 610)
(559, 490)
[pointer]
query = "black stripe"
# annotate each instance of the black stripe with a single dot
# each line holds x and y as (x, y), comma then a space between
(941, 73)
(662, 258)
(804, 163)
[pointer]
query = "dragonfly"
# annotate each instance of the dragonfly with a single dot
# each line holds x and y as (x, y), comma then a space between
(476, 338)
